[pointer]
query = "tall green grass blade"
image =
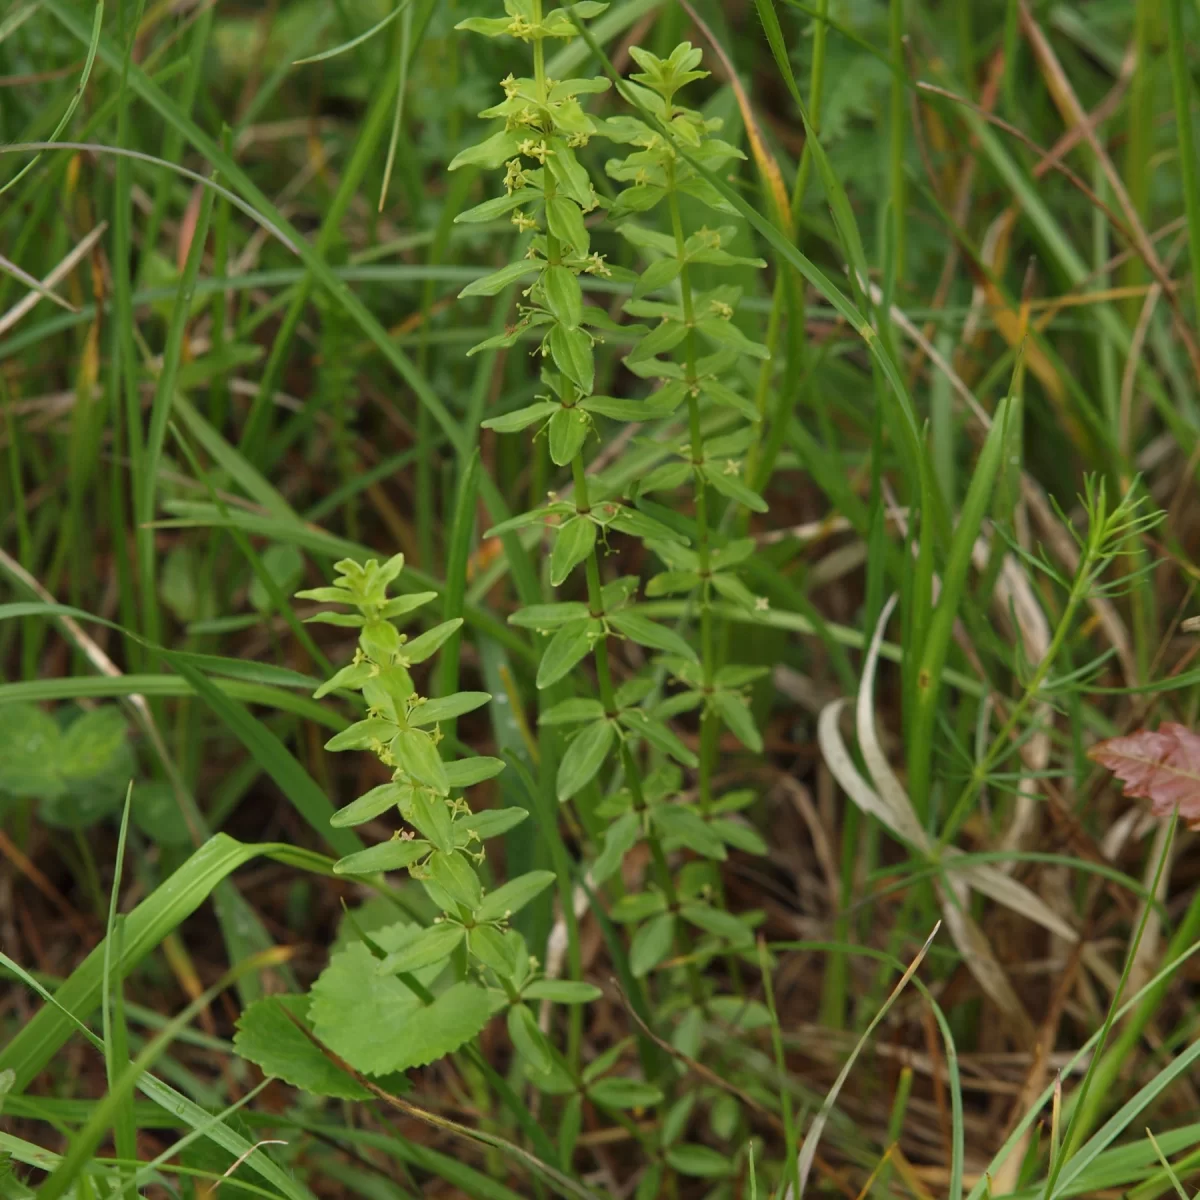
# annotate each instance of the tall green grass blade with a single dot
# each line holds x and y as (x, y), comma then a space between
(160, 413)
(98, 686)
(354, 41)
(457, 556)
(163, 910)
(93, 43)
(116, 1035)
(84, 1145)
(941, 625)
(1183, 91)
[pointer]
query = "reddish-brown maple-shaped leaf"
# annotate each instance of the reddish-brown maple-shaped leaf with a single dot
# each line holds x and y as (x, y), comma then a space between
(1161, 766)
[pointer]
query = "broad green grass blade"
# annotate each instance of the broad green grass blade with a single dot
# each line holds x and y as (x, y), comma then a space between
(457, 556)
(162, 911)
(96, 686)
(84, 1145)
(272, 755)
(771, 27)
(116, 1034)
(233, 462)
(93, 43)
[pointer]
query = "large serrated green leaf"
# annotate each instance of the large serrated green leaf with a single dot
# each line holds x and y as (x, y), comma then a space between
(268, 1036)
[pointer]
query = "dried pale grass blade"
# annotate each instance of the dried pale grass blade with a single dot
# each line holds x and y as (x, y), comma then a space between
(1016, 600)
(887, 786)
(842, 767)
(22, 276)
(808, 1151)
(994, 883)
(64, 268)
(977, 953)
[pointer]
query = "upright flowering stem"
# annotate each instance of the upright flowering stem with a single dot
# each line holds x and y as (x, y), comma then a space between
(708, 723)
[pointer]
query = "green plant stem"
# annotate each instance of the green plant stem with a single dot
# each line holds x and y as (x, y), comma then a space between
(708, 722)
(899, 123)
(608, 694)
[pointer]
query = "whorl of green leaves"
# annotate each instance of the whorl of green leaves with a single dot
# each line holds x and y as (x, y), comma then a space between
(691, 357)
(440, 848)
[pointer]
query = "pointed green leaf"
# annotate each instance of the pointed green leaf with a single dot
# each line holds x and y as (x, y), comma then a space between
(490, 210)
(716, 921)
(703, 1162)
(430, 946)
(649, 633)
(657, 734)
(430, 642)
(351, 677)
(571, 712)
(564, 296)
(619, 838)
(725, 333)
(672, 583)
(571, 350)
(583, 758)
(446, 708)
(497, 281)
(735, 712)
(548, 616)
(565, 222)
(489, 823)
(452, 881)
(521, 418)
(650, 409)
(651, 944)
(362, 734)
(387, 856)
(528, 1040)
(637, 524)
(415, 753)
(492, 948)
(563, 991)
(571, 643)
(624, 1093)
(573, 544)
(467, 772)
(739, 836)
(681, 824)
(370, 805)
(511, 897)
(492, 153)
(726, 479)
(568, 431)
